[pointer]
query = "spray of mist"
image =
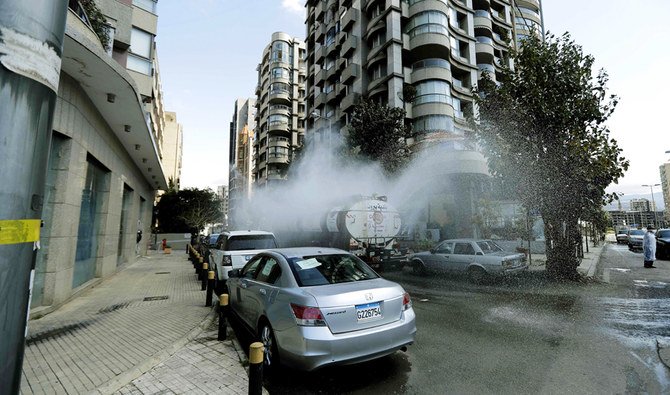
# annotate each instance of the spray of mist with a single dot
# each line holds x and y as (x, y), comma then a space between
(319, 182)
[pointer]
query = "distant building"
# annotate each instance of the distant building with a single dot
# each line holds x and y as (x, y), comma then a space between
(173, 145)
(665, 187)
(640, 205)
(222, 192)
(280, 108)
(636, 219)
(241, 154)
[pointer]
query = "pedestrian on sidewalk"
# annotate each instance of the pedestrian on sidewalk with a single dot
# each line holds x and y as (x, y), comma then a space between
(649, 247)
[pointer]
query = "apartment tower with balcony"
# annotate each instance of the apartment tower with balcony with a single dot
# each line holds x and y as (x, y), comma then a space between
(280, 108)
(376, 48)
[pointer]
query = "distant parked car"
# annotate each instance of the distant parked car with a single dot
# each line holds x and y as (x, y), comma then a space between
(233, 249)
(635, 239)
(314, 306)
(663, 244)
(480, 259)
(622, 237)
(211, 240)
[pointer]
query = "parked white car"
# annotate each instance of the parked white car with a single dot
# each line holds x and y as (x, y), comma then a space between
(478, 258)
(233, 249)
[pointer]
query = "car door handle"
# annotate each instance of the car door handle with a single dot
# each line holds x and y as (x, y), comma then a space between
(262, 291)
(243, 284)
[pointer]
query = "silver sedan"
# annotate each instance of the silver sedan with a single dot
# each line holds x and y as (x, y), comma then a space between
(314, 306)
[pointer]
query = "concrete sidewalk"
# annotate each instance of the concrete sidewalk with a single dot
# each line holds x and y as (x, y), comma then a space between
(145, 330)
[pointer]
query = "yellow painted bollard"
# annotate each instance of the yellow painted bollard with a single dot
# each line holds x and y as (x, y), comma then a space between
(256, 354)
(210, 288)
(203, 275)
(223, 305)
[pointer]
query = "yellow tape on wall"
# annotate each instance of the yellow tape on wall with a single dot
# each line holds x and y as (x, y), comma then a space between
(14, 231)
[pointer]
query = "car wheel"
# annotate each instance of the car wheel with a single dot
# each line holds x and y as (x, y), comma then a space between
(271, 355)
(477, 275)
(418, 267)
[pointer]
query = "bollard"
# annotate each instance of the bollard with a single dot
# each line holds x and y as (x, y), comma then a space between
(223, 305)
(197, 264)
(256, 351)
(203, 276)
(210, 288)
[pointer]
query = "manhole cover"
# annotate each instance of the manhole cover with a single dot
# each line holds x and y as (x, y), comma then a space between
(162, 273)
(150, 298)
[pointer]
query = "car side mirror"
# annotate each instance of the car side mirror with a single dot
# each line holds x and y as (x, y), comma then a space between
(479, 253)
(432, 250)
(234, 273)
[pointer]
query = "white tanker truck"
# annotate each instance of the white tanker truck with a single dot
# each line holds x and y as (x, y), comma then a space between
(367, 226)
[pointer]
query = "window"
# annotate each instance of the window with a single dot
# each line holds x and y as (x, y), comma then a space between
(378, 71)
(433, 123)
(249, 270)
(432, 91)
(428, 22)
(275, 119)
(270, 272)
(445, 248)
(378, 39)
(329, 269)
(139, 59)
(281, 51)
(146, 5)
(464, 249)
(280, 72)
(436, 62)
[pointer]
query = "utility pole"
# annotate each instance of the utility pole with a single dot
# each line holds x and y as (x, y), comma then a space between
(31, 45)
(653, 202)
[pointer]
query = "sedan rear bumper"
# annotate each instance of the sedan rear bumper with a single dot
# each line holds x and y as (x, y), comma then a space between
(309, 348)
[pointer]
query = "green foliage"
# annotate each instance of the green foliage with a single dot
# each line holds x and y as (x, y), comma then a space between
(377, 132)
(98, 21)
(543, 131)
(187, 210)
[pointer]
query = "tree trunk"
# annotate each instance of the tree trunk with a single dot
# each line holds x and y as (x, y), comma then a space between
(562, 235)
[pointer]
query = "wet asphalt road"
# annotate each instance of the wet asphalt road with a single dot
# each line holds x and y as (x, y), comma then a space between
(525, 335)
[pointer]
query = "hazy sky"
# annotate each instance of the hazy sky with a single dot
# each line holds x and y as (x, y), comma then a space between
(208, 52)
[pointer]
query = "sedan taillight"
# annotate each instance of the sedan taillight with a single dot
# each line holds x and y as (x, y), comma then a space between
(406, 301)
(307, 316)
(227, 261)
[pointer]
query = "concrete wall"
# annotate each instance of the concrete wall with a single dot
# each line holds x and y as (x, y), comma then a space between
(83, 132)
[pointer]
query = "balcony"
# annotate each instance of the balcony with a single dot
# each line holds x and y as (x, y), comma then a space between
(278, 158)
(351, 72)
(349, 45)
(274, 127)
(279, 96)
(281, 142)
(349, 101)
(484, 49)
(482, 19)
(350, 17)
(319, 100)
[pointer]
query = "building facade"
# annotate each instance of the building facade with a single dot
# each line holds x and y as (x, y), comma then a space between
(641, 205)
(105, 163)
(377, 48)
(173, 146)
(241, 154)
(280, 108)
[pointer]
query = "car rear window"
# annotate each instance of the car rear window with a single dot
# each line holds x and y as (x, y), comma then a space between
(636, 232)
(329, 269)
(489, 247)
(249, 242)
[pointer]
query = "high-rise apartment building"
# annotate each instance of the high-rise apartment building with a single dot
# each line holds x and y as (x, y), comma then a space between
(280, 108)
(241, 147)
(376, 48)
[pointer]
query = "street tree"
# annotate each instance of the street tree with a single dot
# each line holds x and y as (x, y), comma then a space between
(188, 210)
(542, 128)
(378, 133)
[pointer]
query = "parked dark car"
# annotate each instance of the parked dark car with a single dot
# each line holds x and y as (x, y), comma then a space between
(663, 244)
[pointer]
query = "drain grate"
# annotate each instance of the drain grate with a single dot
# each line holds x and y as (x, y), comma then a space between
(150, 298)
(113, 308)
(162, 273)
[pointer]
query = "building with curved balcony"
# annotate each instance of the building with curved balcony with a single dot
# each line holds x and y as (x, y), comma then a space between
(280, 108)
(440, 47)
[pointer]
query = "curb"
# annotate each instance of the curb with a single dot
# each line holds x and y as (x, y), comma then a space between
(138, 370)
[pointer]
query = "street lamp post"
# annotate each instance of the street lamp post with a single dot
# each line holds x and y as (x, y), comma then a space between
(653, 202)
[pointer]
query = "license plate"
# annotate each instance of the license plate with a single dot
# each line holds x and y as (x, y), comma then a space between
(370, 311)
